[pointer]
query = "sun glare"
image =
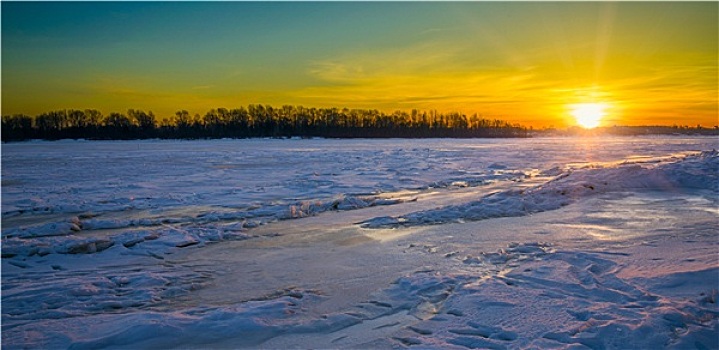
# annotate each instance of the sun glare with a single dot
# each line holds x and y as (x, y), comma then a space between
(588, 115)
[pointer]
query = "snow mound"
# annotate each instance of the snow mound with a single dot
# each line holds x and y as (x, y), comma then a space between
(248, 324)
(61, 294)
(156, 242)
(557, 300)
(62, 228)
(693, 172)
(159, 233)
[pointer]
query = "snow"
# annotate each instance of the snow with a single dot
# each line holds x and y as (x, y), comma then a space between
(698, 172)
(537, 243)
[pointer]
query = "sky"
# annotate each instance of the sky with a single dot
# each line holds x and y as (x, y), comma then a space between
(647, 63)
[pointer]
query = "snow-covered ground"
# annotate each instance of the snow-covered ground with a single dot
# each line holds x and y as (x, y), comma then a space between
(522, 243)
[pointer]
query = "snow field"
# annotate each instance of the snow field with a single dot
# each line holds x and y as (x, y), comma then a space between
(698, 172)
(615, 245)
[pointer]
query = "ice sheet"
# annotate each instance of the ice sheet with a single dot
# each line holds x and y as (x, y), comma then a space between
(259, 243)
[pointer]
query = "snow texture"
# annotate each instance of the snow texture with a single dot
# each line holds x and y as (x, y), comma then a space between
(601, 243)
(696, 172)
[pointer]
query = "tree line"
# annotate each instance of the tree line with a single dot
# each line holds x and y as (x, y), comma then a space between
(255, 120)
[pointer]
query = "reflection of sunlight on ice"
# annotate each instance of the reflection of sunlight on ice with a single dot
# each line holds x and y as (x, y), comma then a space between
(599, 236)
(645, 161)
(702, 203)
(599, 232)
(586, 147)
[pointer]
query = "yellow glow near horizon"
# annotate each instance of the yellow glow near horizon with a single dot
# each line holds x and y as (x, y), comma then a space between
(588, 115)
(522, 62)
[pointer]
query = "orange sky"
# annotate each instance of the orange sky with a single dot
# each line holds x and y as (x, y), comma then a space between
(650, 63)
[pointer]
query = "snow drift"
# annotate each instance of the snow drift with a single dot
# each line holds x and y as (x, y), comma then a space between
(156, 258)
(693, 172)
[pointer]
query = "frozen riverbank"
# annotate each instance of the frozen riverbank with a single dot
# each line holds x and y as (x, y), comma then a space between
(623, 262)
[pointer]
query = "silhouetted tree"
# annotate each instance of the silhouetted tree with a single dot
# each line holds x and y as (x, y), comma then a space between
(16, 127)
(258, 120)
(93, 117)
(117, 121)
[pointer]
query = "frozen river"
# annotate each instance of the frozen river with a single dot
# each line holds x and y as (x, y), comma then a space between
(501, 243)
(103, 177)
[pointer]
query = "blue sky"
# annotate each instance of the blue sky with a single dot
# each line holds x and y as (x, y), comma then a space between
(652, 63)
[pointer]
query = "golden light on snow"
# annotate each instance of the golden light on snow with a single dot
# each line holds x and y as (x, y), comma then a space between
(588, 115)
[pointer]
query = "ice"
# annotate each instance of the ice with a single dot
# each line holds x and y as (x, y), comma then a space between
(248, 325)
(568, 299)
(698, 172)
(539, 243)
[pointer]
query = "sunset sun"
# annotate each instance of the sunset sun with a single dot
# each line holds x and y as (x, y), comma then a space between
(588, 115)
(359, 174)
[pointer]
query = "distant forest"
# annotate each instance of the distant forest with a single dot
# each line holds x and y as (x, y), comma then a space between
(634, 131)
(254, 121)
(288, 121)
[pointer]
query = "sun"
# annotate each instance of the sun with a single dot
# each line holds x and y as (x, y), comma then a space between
(588, 115)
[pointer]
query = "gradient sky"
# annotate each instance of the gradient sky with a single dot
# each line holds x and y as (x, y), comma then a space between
(652, 63)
